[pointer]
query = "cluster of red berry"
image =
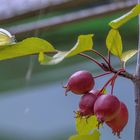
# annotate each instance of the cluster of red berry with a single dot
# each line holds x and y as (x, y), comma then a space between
(106, 107)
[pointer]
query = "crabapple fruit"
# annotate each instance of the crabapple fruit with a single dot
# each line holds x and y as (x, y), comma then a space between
(80, 82)
(106, 107)
(120, 120)
(86, 104)
(96, 92)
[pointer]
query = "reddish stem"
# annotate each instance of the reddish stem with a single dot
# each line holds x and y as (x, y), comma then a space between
(92, 59)
(102, 74)
(104, 58)
(106, 84)
(112, 79)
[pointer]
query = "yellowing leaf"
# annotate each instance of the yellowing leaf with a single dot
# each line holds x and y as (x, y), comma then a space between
(6, 38)
(85, 126)
(114, 42)
(105, 91)
(128, 54)
(28, 46)
(125, 18)
(84, 43)
(94, 136)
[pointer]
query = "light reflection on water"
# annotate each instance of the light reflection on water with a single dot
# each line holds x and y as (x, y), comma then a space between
(45, 111)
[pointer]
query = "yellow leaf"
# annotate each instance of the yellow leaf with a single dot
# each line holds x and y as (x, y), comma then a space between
(85, 126)
(6, 38)
(84, 43)
(128, 54)
(114, 42)
(125, 18)
(94, 136)
(28, 46)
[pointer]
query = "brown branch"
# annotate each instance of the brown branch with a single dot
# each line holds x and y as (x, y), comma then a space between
(127, 75)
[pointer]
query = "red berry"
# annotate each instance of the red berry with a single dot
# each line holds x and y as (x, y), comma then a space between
(106, 107)
(86, 104)
(120, 120)
(80, 82)
(96, 92)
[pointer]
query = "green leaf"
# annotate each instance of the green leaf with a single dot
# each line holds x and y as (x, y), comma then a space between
(94, 136)
(28, 46)
(85, 126)
(128, 54)
(114, 43)
(125, 18)
(84, 43)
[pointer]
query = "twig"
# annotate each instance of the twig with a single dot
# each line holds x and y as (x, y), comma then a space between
(92, 59)
(112, 79)
(96, 52)
(103, 74)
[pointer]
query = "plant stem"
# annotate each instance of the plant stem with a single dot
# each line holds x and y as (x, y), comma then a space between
(126, 75)
(112, 80)
(107, 84)
(92, 59)
(137, 91)
(103, 74)
(122, 74)
(99, 54)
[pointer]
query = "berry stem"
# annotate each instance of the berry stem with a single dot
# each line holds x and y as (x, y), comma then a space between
(92, 59)
(106, 84)
(112, 79)
(124, 74)
(102, 74)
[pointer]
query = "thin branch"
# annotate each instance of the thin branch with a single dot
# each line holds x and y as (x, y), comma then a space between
(99, 54)
(112, 79)
(127, 75)
(122, 74)
(103, 74)
(92, 59)
(106, 84)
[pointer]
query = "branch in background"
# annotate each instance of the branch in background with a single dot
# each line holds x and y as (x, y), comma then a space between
(33, 10)
(72, 17)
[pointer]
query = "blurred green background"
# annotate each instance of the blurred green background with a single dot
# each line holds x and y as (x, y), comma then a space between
(32, 101)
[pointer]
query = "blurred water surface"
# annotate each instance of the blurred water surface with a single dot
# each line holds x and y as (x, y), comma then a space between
(45, 113)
